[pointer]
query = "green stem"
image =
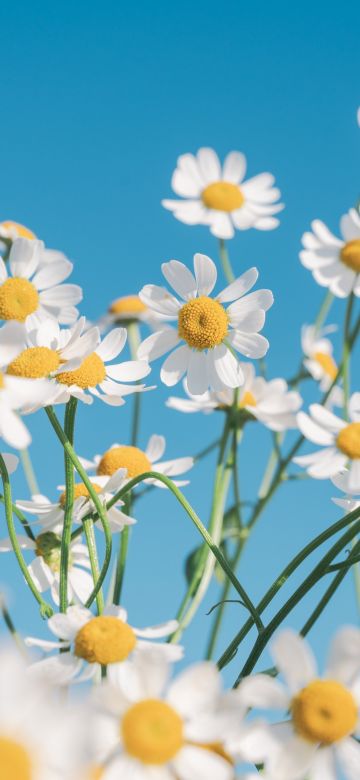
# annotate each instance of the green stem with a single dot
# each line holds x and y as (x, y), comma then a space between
(45, 609)
(323, 311)
(88, 527)
(346, 355)
(22, 519)
(29, 472)
(225, 261)
(11, 627)
(120, 565)
(134, 341)
(69, 424)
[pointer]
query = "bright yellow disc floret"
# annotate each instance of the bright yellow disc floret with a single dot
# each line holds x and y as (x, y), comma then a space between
(248, 399)
(34, 363)
(14, 229)
(222, 196)
(80, 490)
(350, 255)
(90, 373)
(129, 306)
(104, 640)
(327, 363)
(15, 762)
(203, 323)
(325, 711)
(348, 440)
(131, 458)
(152, 731)
(18, 299)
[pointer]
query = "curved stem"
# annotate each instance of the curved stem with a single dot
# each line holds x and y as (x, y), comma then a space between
(69, 424)
(88, 527)
(20, 517)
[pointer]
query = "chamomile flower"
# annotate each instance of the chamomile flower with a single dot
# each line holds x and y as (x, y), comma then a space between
(128, 310)
(352, 499)
(340, 438)
(318, 351)
(219, 197)
(334, 262)
(33, 291)
(151, 728)
(51, 515)
(45, 568)
(319, 738)
(15, 395)
(272, 403)
(206, 332)
(89, 642)
(136, 461)
(10, 231)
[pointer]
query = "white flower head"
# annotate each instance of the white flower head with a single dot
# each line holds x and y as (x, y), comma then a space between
(270, 402)
(339, 438)
(130, 309)
(206, 332)
(219, 197)
(33, 290)
(318, 351)
(135, 461)
(334, 262)
(10, 231)
(351, 500)
(320, 736)
(15, 395)
(89, 642)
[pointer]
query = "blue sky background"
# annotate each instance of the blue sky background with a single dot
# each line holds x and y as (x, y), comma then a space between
(98, 100)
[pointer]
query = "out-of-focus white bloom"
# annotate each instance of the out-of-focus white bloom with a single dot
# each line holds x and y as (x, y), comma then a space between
(340, 439)
(318, 352)
(272, 403)
(105, 640)
(34, 290)
(130, 309)
(10, 231)
(15, 395)
(334, 262)
(136, 461)
(352, 499)
(219, 197)
(206, 332)
(319, 739)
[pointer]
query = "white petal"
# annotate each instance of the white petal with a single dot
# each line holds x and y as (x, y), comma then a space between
(66, 626)
(348, 752)
(292, 760)
(61, 295)
(159, 299)
(220, 224)
(129, 370)
(13, 430)
(226, 366)
(158, 344)
(234, 167)
(294, 659)
(157, 632)
(196, 689)
(175, 366)
(155, 448)
(51, 274)
(252, 345)
(344, 656)
(323, 765)
(205, 273)
(194, 762)
(313, 431)
(259, 299)
(180, 278)
(41, 574)
(209, 164)
(174, 467)
(240, 286)
(58, 670)
(24, 257)
(263, 691)
(12, 341)
(112, 344)
(185, 185)
(197, 378)
(354, 476)
(326, 418)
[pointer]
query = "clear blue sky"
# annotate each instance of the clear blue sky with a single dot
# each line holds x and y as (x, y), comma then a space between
(97, 102)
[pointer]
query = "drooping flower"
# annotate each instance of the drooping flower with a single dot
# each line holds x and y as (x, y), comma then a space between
(270, 402)
(206, 332)
(104, 640)
(334, 262)
(340, 438)
(318, 352)
(319, 738)
(136, 461)
(219, 197)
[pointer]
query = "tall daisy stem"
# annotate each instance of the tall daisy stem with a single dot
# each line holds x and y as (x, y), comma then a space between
(11, 626)
(69, 425)
(225, 261)
(29, 472)
(88, 527)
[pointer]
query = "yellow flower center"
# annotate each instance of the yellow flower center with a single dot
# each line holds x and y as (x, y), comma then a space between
(248, 399)
(104, 640)
(79, 490)
(90, 373)
(129, 306)
(131, 458)
(348, 440)
(203, 323)
(1, 380)
(325, 711)
(96, 773)
(327, 363)
(222, 196)
(16, 230)
(15, 762)
(152, 731)
(350, 255)
(18, 299)
(34, 363)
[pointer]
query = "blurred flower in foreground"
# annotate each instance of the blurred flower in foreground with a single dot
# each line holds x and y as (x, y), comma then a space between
(105, 640)
(334, 262)
(10, 231)
(206, 333)
(318, 352)
(340, 438)
(219, 197)
(270, 402)
(352, 499)
(319, 739)
(15, 394)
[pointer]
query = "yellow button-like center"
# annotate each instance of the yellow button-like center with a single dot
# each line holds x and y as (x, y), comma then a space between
(15, 762)
(327, 364)
(131, 458)
(14, 229)
(18, 299)
(348, 440)
(90, 373)
(350, 255)
(325, 711)
(248, 399)
(152, 731)
(203, 323)
(1, 380)
(222, 196)
(96, 773)
(34, 363)
(129, 306)
(104, 640)
(80, 490)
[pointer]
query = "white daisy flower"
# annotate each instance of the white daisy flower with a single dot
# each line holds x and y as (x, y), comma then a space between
(206, 332)
(272, 403)
(319, 739)
(10, 231)
(219, 197)
(334, 262)
(151, 729)
(352, 499)
(15, 395)
(34, 290)
(130, 309)
(136, 461)
(45, 568)
(51, 516)
(105, 640)
(318, 352)
(341, 440)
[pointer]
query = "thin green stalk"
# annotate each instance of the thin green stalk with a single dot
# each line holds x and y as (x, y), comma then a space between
(88, 527)
(323, 311)
(134, 342)
(29, 472)
(225, 261)
(120, 565)
(24, 522)
(11, 626)
(99, 507)
(45, 609)
(69, 424)
(346, 355)
(215, 629)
